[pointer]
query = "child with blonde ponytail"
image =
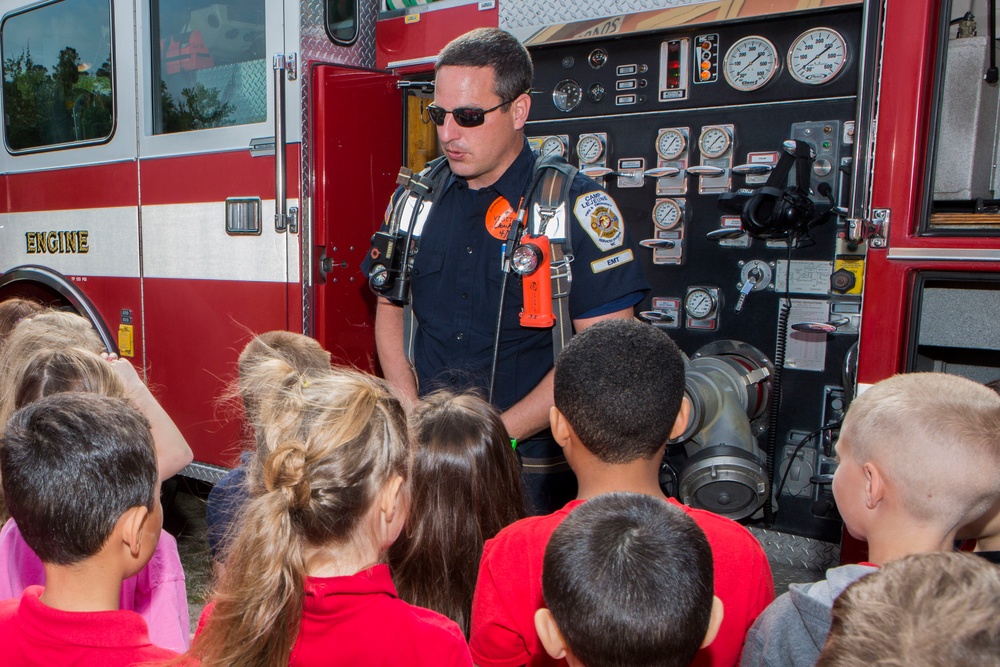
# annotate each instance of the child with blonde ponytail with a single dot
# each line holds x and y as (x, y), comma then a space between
(305, 583)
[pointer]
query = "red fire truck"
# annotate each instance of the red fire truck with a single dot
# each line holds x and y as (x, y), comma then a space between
(187, 174)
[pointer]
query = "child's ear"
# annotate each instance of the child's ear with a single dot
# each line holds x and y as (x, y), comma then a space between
(683, 417)
(130, 526)
(548, 633)
(875, 485)
(714, 621)
(391, 499)
(561, 430)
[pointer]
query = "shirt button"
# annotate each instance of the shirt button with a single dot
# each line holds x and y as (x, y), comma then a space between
(468, 249)
(465, 295)
(459, 336)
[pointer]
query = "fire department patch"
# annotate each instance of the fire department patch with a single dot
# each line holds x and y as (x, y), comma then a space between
(598, 214)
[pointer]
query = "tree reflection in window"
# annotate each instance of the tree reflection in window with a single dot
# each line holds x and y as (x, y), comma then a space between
(58, 75)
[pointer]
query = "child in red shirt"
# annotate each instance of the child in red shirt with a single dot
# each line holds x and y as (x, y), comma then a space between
(80, 477)
(304, 582)
(619, 396)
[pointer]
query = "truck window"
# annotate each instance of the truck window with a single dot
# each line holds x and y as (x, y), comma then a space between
(57, 75)
(210, 67)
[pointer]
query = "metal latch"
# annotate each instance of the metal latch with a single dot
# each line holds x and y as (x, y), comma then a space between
(875, 231)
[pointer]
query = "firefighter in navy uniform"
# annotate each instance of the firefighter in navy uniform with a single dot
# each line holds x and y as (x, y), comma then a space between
(481, 104)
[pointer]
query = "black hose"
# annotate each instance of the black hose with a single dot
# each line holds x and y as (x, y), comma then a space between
(774, 409)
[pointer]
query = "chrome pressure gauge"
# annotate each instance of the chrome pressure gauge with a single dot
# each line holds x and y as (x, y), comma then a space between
(817, 56)
(567, 95)
(589, 148)
(699, 303)
(553, 146)
(715, 141)
(670, 143)
(666, 213)
(750, 63)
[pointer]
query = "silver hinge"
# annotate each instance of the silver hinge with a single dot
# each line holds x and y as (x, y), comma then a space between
(874, 231)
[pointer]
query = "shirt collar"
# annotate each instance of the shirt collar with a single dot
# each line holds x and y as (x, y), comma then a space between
(514, 181)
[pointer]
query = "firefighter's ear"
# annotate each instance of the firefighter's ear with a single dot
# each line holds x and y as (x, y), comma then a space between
(519, 109)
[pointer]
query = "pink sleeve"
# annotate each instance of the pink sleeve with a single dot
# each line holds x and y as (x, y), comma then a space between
(19, 566)
(161, 597)
(493, 638)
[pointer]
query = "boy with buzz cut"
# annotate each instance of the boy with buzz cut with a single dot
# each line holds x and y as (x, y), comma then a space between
(627, 581)
(919, 458)
(619, 396)
(926, 609)
(80, 478)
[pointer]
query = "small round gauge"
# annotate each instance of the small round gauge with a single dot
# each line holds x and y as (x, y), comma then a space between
(553, 146)
(597, 92)
(598, 58)
(670, 143)
(589, 148)
(715, 141)
(750, 63)
(567, 95)
(817, 56)
(699, 303)
(666, 213)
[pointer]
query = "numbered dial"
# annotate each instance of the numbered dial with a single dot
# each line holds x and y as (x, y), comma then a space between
(750, 63)
(817, 56)
(589, 148)
(670, 144)
(598, 58)
(567, 95)
(699, 303)
(715, 141)
(553, 146)
(597, 92)
(667, 213)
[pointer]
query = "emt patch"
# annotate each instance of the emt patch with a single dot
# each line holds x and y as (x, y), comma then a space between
(610, 262)
(598, 214)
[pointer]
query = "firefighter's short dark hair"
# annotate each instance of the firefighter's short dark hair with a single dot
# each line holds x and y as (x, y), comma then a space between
(72, 464)
(628, 579)
(620, 384)
(494, 48)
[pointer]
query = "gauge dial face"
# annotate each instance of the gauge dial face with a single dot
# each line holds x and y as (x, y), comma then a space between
(750, 63)
(589, 148)
(670, 143)
(715, 141)
(598, 58)
(597, 92)
(567, 95)
(699, 303)
(553, 146)
(817, 56)
(666, 213)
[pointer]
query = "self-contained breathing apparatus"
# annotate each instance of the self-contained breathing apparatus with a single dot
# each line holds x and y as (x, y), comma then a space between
(536, 248)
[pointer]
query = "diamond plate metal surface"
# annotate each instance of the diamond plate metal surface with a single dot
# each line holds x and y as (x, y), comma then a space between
(797, 551)
(516, 14)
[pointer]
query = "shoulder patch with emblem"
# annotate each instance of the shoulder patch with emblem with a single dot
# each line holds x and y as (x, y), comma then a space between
(598, 214)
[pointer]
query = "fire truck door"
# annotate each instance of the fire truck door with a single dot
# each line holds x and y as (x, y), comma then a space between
(356, 153)
(219, 135)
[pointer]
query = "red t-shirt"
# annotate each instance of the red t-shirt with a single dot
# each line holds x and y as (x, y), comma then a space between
(509, 590)
(359, 620)
(35, 634)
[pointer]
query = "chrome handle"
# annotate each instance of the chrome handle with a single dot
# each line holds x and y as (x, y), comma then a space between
(280, 193)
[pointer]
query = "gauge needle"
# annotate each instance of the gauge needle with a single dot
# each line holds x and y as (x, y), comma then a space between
(828, 47)
(759, 55)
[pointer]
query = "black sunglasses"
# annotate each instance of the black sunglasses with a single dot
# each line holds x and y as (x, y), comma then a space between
(464, 116)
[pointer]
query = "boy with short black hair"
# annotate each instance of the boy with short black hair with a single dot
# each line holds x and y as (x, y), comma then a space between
(80, 477)
(627, 580)
(619, 396)
(919, 459)
(925, 609)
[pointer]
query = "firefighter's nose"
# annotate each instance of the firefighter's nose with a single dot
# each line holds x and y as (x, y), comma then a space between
(449, 130)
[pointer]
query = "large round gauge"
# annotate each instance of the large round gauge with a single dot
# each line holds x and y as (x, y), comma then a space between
(817, 56)
(666, 213)
(699, 303)
(589, 148)
(567, 95)
(715, 141)
(670, 143)
(553, 146)
(750, 63)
